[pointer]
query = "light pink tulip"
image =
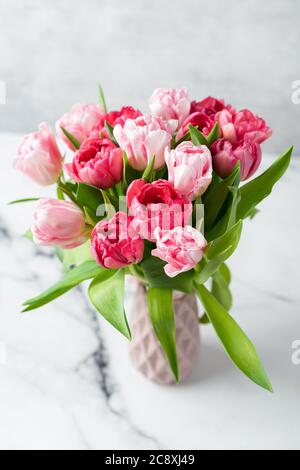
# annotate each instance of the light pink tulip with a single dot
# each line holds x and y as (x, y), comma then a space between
(190, 169)
(38, 157)
(226, 155)
(81, 121)
(143, 137)
(59, 223)
(182, 248)
(170, 103)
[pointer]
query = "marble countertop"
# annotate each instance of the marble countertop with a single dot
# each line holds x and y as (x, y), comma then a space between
(66, 380)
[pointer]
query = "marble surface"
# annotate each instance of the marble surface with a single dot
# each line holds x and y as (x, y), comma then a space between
(66, 381)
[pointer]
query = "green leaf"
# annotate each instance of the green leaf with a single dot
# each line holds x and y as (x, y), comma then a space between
(67, 189)
(77, 256)
(225, 272)
(252, 213)
(89, 196)
(71, 186)
(60, 193)
(208, 267)
(218, 252)
(87, 270)
(101, 97)
(197, 137)
(129, 173)
(29, 235)
(110, 132)
(160, 303)
(204, 320)
(230, 239)
(149, 170)
(109, 206)
(91, 220)
(236, 343)
(217, 195)
(255, 191)
(214, 134)
(229, 217)
(162, 173)
(155, 275)
(20, 201)
(106, 293)
(71, 138)
(183, 139)
(59, 253)
(221, 291)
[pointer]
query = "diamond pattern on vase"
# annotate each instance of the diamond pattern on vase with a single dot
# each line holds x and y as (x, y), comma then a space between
(145, 350)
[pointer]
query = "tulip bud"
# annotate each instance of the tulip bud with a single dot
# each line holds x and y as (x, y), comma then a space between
(226, 155)
(39, 158)
(81, 121)
(59, 223)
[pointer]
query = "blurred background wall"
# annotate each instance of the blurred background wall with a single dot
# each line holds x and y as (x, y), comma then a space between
(53, 53)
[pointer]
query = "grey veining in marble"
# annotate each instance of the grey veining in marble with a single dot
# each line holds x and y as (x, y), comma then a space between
(67, 382)
(54, 53)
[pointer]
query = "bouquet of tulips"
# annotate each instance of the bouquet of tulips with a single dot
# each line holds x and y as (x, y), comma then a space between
(159, 196)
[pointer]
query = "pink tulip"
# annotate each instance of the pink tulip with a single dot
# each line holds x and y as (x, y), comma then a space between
(190, 169)
(170, 103)
(202, 121)
(182, 248)
(59, 223)
(118, 117)
(156, 204)
(203, 115)
(210, 106)
(226, 155)
(251, 127)
(144, 137)
(243, 125)
(38, 157)
(98, 162)
(225, 119)
(81, 121)
(115, 244)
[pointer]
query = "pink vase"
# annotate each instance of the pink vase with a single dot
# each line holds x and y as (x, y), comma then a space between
(145, 350)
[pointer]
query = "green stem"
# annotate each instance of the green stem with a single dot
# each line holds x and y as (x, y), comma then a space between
(61, 187)
(133, 270)
(60, 193)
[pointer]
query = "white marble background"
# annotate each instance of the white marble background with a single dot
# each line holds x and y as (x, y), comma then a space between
(53, 53)
(67, 381)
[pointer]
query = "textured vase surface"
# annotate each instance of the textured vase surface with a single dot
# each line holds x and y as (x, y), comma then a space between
(145, 350)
